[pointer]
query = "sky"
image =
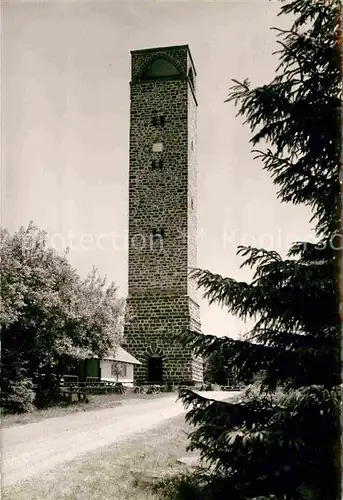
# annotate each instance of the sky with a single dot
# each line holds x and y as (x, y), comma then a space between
(65, 130)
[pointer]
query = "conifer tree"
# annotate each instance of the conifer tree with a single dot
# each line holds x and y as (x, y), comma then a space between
(283, 442)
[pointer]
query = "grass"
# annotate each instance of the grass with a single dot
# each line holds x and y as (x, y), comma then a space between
(126, 471)
(96, 402)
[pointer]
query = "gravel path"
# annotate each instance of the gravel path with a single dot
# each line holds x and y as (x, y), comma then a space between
(32, 449)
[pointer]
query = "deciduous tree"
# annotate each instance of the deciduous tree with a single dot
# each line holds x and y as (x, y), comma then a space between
(48, 313)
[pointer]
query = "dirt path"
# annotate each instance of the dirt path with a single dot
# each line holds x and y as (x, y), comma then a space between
(32, 449)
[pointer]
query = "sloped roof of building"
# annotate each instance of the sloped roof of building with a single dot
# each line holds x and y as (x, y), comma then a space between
(119, 354)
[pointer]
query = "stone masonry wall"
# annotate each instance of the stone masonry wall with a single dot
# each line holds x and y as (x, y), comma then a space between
(162, 298)
(158, 197)
(192, 190)
(150, 332)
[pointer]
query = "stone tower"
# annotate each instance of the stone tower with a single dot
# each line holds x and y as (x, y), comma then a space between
(162, 214)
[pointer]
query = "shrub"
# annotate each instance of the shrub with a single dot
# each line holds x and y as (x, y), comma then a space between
(18, 396)
(183, 487)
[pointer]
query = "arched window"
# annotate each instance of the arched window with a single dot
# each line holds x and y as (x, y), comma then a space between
(160, 67)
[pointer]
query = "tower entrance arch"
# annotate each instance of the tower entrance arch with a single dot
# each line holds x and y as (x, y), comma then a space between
(155, 369)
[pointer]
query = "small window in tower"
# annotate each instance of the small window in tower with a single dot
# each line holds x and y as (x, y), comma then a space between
(157, 239)
(158, 121)
(155, 164)
(192, 204)
(157, 147)
(158, 233)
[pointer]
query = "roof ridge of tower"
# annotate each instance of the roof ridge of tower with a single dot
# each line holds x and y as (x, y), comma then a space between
(165, 47)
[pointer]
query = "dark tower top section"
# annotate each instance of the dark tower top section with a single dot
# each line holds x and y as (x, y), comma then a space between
(163, 63)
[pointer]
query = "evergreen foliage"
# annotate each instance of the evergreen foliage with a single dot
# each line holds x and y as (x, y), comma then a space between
(283, 442)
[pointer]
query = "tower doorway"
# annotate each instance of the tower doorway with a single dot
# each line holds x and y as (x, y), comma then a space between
(155, 369)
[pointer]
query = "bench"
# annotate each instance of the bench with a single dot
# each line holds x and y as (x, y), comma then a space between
(71, 386)
(75, 391)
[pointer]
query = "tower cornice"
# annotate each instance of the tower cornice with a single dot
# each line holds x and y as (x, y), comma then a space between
(165, 49)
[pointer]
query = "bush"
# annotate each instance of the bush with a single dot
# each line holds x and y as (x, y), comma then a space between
(48, 391)
(183, 487)
(18, 397)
